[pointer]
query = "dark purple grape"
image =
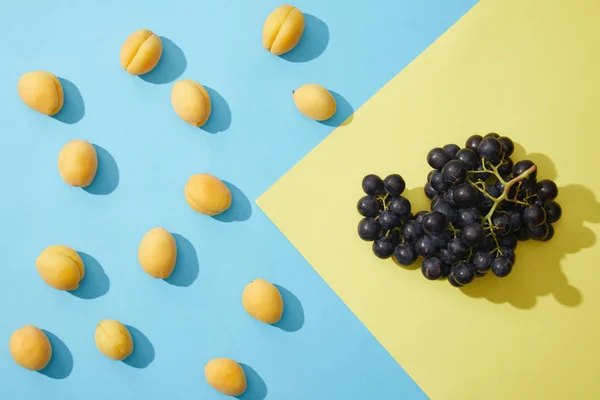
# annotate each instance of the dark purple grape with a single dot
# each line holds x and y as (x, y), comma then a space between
(509, 241)
(553, 211)
(369, 229)
(389, 219)
(467, 216)
(453, 281)
(507, 145)
(492, 135)
(394, 184)
(465, 195)
(472, 234)
(435, 223)
(435, 201)
(429, 192)
(419, 216)
(432, 268)
(501, 223)
(501, 267)
(412, 231)
(463, 273)
(490, 149)
(550, 234)
(373, 185)
(505, 169)
(430, 174)
(481, 175)
(457, 248)
(454, 171)
(522, 234)
(424, 247)
(441, 240)
(447, 210)
(438, 157)
(400, 205)
(538, 232)
(468, 157)
(473, 142)
(508, 253)
(383, 247)
(534, 216)
(515, 220)
(546, 189)
(449, 196)
(404, 255)
(493, 191)
(523, 166)
(484, 203)
(481, 262)
(368, 206)
(452, 149)
(438, 183)
(446, 257)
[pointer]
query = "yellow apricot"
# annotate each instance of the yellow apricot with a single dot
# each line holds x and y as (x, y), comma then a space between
(141, 52)
(207, 194)
(226, 376)
(60, 267)
(30, 348)
(157, 253)
(314, 102)
(41, 91)
(283, 29)
(113, 339)
(262, 300)
(191, 102)
(78, 163)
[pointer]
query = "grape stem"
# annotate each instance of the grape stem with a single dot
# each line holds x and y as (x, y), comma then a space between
(508, 185)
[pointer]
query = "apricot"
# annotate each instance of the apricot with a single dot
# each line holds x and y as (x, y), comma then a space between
(113, 339)
(226, 376)
(60, 267)
(78, 163)
(314, 102)
(41, 91)
(191, 102)
(141, 52)
(30, 348)
(283, 29)
(157, 253)
(262, 300)
(207, 194)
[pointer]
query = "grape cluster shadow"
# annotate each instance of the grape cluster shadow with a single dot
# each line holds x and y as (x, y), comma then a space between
(537, 271)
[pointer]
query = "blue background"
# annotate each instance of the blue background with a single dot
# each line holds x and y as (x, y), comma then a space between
(146, 154)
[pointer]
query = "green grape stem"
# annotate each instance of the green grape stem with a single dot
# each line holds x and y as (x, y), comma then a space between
(507, 186)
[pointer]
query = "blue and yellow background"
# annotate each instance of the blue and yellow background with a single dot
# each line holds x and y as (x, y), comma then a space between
(407, 76)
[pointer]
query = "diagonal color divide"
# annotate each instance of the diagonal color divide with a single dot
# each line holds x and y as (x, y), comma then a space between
(527, 69)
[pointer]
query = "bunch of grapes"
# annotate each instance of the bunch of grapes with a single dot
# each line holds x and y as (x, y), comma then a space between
(482, 205)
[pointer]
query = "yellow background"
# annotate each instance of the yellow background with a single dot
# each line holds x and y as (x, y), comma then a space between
(528, 69)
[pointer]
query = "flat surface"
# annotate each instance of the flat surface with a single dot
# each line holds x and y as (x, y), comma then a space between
(321, 350)
(526, 69)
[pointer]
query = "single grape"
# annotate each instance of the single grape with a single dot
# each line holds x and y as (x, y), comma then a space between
(467, 216)
(429, 191)
(404, 254)
(447, 210)
(453, 281)
(383, 247)
(432, 268)
(463, 273)
(492, 135)
(457, 248)
(400, 206)
(490, 149)
(468, 157)
(452, 149)
(394, 235)
(515, 220)
(441, 240)
(446, 257)
(546, 189)
(438, 183)
(509, 241)
(435, 223)
(538, 232)
(481, 262)
(523, 166)
(368, 206)
(472, 234)
(394, 184)
(484, 203)
(454, 171)
(501, 267)
(505, 169)
(550, 234)
(449, 196)
(473, 142)
(438, 157)
(430, 174)
(369, 229)
(435, 201)
(534, 215)
(522, 234)
(508, 253)
(419, 216)
(424, 247)
(389, 219)
(507, 145)
(465, 195)
(412, 231)
(501, 223)
(373, 185)
(553, 211)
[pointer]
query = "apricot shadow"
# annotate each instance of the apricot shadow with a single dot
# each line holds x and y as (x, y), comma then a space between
(187, 266)
(107, 176)
(313, 43)
(220, 114)
(256, 387)
(95, 282)
(344, 113)
(293, 312)
(61, 363)
(73, 108)
(143, 350)
(240, 209)
(172, 64)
